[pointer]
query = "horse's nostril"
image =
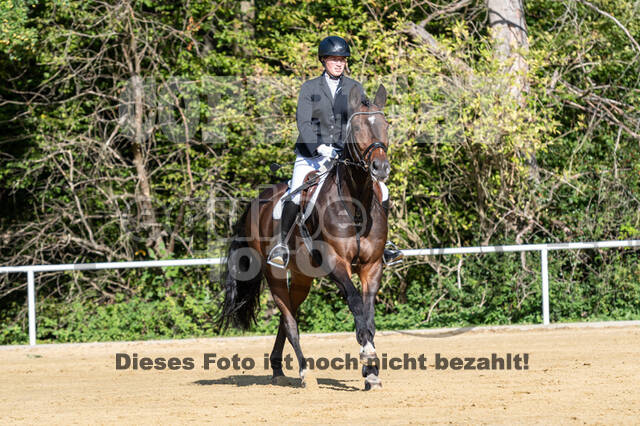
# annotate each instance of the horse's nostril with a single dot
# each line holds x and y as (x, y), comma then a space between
(375, 165)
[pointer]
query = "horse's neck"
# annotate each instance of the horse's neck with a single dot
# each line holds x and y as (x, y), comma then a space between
(359, 184)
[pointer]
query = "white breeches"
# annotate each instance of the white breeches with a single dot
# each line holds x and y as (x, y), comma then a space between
(301, 168)
(304, 165)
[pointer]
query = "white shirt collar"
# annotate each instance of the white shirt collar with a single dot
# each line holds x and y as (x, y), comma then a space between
(333, 84)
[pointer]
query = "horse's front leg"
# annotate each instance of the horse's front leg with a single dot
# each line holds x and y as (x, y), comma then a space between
(370, 276)
(364, 332)
(276, 355)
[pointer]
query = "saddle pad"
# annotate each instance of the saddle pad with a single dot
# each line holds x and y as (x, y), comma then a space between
(277, 209)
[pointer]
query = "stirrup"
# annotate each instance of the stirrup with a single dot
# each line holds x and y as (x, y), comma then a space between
(392, 254)
(279, 256)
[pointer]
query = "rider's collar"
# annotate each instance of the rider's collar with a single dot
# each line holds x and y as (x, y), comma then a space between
(332, 77)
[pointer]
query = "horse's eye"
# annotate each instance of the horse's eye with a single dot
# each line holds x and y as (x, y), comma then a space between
(356, 128)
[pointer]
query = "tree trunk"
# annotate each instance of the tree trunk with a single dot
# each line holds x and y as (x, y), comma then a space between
(247, 15)
(509, 32)
(511, 44)
(147, 213)
(143, 194)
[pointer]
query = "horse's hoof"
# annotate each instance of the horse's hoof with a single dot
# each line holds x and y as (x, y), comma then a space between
(372, 382)
(368, 354)
(280, 381)
(308, 381)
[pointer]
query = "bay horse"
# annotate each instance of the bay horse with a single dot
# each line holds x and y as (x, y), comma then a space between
(349, 230)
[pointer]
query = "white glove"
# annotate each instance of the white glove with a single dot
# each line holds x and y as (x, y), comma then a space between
(327, 151)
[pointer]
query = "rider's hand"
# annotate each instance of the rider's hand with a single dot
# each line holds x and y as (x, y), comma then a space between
(327, 151)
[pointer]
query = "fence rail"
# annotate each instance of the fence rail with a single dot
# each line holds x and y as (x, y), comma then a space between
(544, 249)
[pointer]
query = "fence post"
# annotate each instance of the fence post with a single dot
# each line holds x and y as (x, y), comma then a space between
(31, 296)
(545, 285)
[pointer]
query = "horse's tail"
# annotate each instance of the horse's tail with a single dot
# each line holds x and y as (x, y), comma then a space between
(242, 280)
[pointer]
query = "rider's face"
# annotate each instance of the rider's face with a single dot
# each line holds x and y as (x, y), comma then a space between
(335, 65)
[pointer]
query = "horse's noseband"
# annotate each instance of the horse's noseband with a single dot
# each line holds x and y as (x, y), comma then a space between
(366, 155)
(364, 158)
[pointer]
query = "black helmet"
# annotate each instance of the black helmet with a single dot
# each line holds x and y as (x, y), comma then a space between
(333, 46)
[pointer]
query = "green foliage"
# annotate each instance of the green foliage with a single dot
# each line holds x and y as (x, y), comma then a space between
(185, 306)
(16, 36)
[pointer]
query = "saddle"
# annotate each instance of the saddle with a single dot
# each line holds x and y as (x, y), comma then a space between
(308, 194)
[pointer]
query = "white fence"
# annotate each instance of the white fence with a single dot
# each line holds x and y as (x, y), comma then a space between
(542, 248)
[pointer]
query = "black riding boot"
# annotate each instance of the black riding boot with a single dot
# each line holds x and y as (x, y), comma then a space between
(392, 255)
(279, 255)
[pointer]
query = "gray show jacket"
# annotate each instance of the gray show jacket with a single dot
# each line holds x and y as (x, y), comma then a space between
(322, 119)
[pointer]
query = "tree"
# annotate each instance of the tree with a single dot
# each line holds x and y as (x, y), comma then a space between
(509, 32)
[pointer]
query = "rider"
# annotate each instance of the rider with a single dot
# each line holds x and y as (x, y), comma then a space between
(322, 116)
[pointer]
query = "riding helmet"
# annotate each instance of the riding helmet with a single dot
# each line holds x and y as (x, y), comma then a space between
(333, 46)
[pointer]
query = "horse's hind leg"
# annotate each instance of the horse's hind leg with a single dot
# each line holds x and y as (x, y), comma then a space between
(300, 287)
(288, 302)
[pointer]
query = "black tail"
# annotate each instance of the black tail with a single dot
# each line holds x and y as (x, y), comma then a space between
(242, 280)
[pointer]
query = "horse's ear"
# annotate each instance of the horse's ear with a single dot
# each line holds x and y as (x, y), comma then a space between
(355, 99)
(381, 97)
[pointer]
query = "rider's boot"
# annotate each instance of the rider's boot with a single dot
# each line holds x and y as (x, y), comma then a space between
(279, 254)
(392, 255)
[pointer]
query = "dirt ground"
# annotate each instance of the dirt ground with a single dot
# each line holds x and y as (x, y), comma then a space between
(574, 375)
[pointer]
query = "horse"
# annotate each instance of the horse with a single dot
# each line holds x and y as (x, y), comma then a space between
(345, 234)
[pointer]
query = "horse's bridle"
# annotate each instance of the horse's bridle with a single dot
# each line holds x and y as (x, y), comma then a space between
(363, 159)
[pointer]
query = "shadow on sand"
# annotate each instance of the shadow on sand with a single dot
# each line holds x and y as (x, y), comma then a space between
(427, 334)
(251, 380)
